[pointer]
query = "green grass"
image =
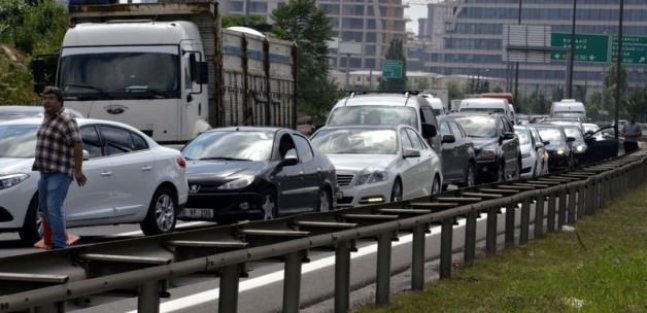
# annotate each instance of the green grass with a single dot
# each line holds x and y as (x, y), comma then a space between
(607, 272)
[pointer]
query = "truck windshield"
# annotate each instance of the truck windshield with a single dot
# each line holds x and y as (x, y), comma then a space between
(120, 73)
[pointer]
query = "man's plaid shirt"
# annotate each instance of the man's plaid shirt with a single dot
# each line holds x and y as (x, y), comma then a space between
(55, 144)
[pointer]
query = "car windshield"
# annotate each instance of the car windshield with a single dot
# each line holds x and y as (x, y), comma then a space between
(493, 110)
(523, 134)
(478, 126)
(231, 145)
(573, 131)
(373, 115)
(18, 141)
(551, 134)
(356, 141)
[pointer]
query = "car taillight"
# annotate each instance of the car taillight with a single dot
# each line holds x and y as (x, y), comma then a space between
(181, 162)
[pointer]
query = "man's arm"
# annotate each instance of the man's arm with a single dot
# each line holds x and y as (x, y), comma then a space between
(78, 164)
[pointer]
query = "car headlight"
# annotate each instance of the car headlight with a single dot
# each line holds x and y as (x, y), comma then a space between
(239, 182)
(372, 176)
(7, 181)
(487, 153)
(560, 151)
(580, 148)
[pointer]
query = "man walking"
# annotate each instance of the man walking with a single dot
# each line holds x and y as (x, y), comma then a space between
(631, 132)
(59, 157)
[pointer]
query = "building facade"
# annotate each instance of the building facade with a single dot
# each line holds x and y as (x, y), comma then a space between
(366, 26)
(465, 37)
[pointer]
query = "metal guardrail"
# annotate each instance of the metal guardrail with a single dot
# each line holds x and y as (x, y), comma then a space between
(46, 280)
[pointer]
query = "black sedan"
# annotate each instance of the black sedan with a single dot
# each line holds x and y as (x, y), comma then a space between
(560, 151)
(458, 157)
(257, 173)
(496, 146)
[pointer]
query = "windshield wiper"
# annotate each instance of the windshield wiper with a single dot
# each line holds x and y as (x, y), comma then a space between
(225, 159)
(157, 93)
(97, 89)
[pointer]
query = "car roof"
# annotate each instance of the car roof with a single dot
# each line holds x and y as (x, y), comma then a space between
(80, 122)
(384, 99)
(391, 127)
(249, 129)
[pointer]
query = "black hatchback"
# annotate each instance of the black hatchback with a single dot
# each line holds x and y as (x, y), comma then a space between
(255, 173)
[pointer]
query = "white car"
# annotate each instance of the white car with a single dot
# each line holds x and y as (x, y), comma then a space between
(379, 164)
(534, 158)
(131, 179)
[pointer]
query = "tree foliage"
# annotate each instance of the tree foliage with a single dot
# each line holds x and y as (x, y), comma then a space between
(27, 29)
(308, 26)
(395, 52)
(240, 20)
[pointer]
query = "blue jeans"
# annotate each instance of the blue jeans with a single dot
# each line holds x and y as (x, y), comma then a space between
(52, 190)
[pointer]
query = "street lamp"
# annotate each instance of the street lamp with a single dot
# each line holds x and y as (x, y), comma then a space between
(569, 82)
(618, 69)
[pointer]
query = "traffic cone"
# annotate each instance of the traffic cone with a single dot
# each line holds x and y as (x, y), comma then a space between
(46, 242)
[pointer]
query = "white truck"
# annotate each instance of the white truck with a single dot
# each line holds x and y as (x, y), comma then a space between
(568, 108)
(169, 69)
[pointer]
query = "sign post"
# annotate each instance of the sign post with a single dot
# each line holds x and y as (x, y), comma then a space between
(392, 69)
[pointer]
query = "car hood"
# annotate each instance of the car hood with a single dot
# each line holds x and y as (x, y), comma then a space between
(482, 142)
(358, 162)
(555, 146)
(15, 165)
(221, 169)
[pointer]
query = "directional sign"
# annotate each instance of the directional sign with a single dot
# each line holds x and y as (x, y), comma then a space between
(634, 50)
(392, 69)
(588, 48)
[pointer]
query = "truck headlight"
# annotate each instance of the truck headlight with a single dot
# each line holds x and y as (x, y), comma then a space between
(239, 182)
(7, 181)
(372, 176)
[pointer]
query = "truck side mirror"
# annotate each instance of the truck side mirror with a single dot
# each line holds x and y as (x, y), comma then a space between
(203, 73)
(38, 72)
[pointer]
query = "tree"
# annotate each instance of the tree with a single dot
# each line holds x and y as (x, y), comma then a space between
(308, 26)
(454, 91)
(395, 52)
(240, 20)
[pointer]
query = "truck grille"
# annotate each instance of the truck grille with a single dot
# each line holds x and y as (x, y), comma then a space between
(344, 179)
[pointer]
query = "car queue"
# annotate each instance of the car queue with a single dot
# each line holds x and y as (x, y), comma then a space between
(374, 148)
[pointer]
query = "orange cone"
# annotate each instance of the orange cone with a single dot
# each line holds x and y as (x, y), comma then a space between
(46, 241)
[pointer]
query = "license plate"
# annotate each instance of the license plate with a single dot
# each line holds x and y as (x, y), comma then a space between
(199, 214)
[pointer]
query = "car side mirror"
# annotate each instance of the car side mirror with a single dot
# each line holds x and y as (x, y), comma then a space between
(448, 139)
(570, 139)
(86, 155)
(411, 153)
(546, 142)
(507, 136)
(428, 130)
(289, 159)
(538, 145)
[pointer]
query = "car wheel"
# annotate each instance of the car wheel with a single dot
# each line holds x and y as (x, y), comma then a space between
(269, 205)
(32, 228)
(396, 191)
(470, 176)
(435, 186)
(324, 202)
(162, 213)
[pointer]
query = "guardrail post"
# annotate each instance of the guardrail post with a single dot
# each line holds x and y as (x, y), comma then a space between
(342, 277)
(383, 280)
(509, 224)
(571, 205)
(470, 237)
(228, 299)
(148, 297)
(550, 224)
(539, 215)
(292, 282)
(418, 257)
(561, 209)
(446, 232)
(583, 199)
(491, 231)
(525, 221)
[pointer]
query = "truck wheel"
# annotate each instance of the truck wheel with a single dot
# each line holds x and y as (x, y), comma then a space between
(324, 202)
(269, 205)
(396, 192)
(162, 213)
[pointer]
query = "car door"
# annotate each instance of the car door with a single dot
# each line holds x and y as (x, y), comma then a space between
(422, 169)
(93, 201)
(462, 148)
(312, 181)
(510, 147)
(448, 150)
(132, 169)
(288, 179)
(407, 168)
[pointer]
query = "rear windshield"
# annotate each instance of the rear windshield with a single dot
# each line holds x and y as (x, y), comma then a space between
(373, 115)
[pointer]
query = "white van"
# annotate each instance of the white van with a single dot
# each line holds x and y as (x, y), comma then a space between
(436, 104)
(488, 105)
(568, 108)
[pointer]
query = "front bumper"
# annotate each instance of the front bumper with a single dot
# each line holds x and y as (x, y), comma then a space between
(353, 195)
(557, 162)
(14, 203)
(487, 170)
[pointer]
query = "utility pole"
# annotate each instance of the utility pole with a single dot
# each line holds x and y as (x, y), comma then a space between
(516, 64)
(619, 70)
(571, 56)
(347, 71)
(247, 3)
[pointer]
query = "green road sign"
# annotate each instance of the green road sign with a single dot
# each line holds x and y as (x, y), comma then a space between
(392, 69)
(588, 48)
(634, 50)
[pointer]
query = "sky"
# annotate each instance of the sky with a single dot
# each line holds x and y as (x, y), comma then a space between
(414, 12)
